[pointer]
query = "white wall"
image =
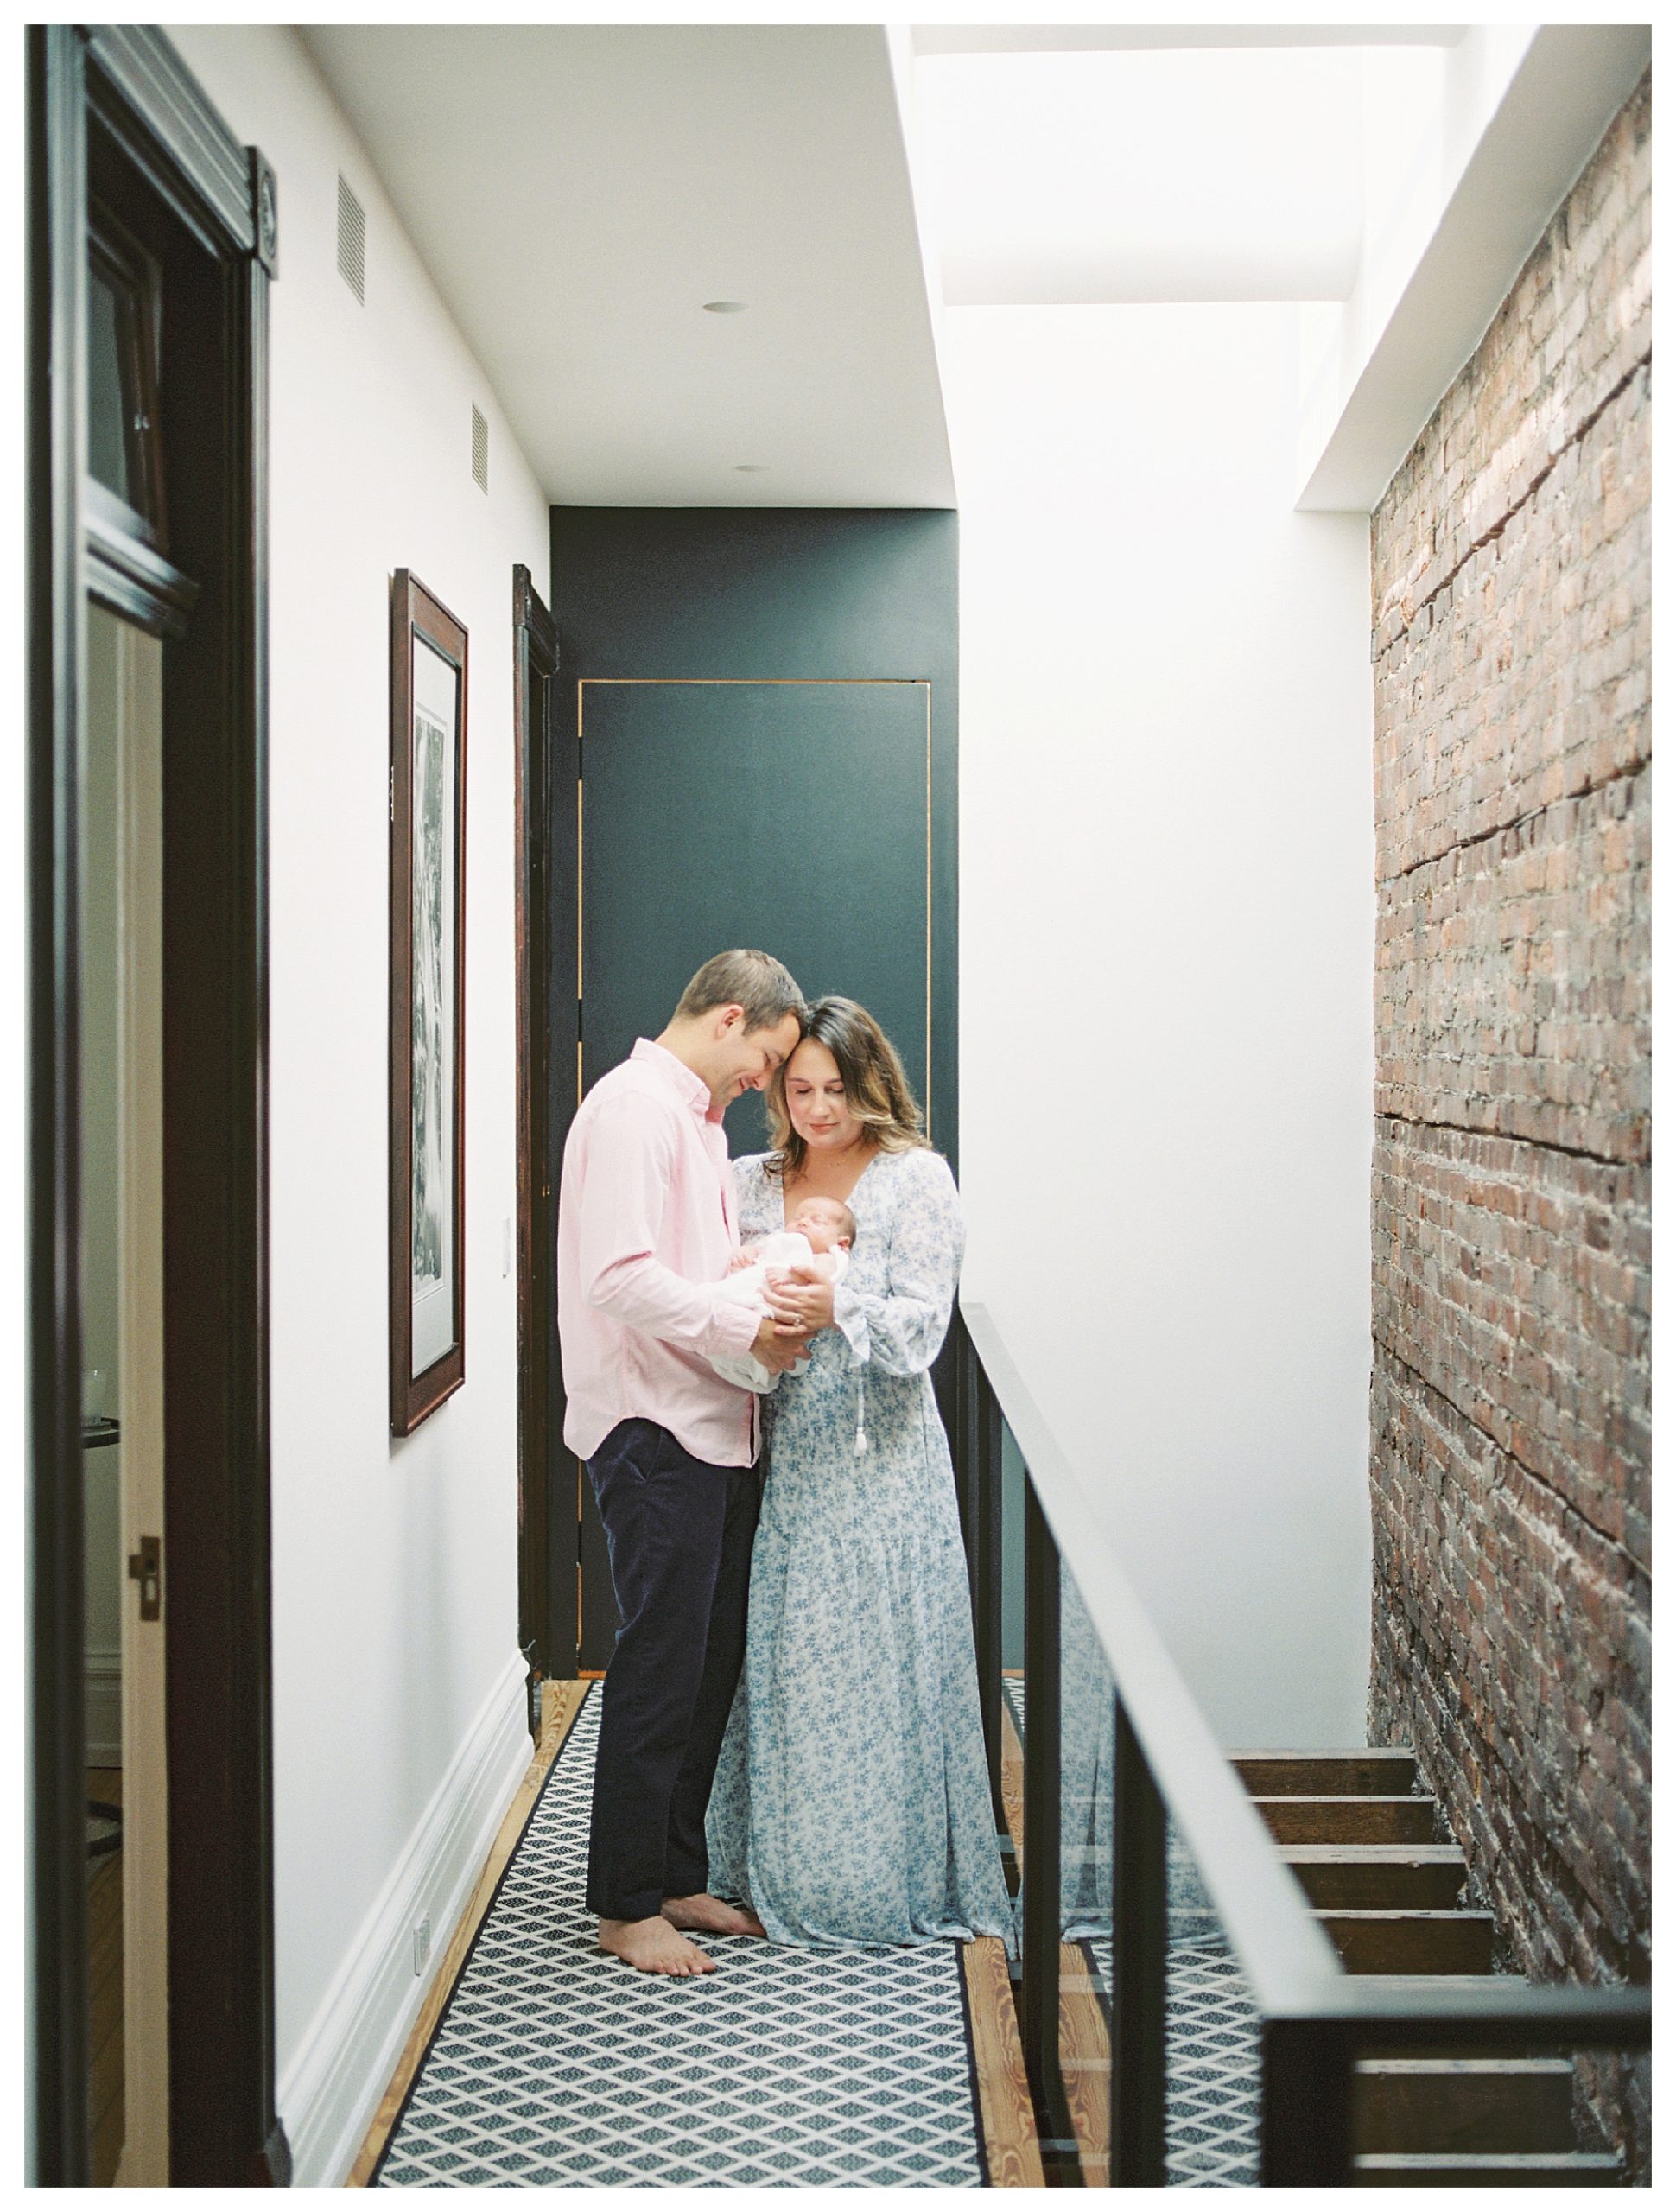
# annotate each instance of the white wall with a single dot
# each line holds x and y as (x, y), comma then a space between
(395, 1564)
(1166, 954)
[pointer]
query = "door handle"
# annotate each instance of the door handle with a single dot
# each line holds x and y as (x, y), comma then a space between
(145, 1567)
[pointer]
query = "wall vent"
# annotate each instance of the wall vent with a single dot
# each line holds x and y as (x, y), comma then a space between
(479, 450)
(352, 241)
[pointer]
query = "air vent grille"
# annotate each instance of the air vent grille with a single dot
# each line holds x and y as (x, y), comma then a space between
(352, 241)
(479, 450)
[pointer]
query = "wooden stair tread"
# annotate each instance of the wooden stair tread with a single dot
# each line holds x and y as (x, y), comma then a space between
(1373, 1916)
(1341, 1797)
(1363, 1772)
(1375, 1854)
(1423, 1987)
(1370, 1876)
(1489, 2169)
(1349, 1820)
(1457, 2069)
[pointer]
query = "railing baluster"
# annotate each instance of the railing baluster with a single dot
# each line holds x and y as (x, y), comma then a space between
(1041, 1875)
(986, 1427)
(1308, 2069)
(1140, 1939)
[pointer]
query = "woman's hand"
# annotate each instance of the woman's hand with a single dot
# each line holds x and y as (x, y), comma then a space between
(801, 1301)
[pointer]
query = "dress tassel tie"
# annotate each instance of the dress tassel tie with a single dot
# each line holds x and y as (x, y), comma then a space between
(860, 1415)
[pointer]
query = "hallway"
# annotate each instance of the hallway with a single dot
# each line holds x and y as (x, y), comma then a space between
(552, 2065)
(537, 2063)
(1125, 550)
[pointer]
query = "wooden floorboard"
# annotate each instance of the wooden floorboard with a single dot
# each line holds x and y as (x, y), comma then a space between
(1013, 1784)
(1085, 2065)
(560, 1702)
(1004, 2106)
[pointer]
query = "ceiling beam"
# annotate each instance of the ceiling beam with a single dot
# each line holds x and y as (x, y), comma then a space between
(1574, 79)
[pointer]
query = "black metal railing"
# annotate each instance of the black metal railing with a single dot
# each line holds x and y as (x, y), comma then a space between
(1167, 1798)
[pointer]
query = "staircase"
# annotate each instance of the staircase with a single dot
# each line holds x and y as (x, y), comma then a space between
(1365, 1846)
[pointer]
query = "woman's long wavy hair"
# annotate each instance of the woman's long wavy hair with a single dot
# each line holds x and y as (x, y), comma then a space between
(875, 1087)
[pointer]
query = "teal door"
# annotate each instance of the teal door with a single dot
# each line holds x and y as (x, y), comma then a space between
(793, 815)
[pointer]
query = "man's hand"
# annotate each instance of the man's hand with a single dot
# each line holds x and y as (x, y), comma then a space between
(778, 1352)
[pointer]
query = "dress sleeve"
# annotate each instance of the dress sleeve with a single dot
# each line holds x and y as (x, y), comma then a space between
(746, 1173)
(901, 1329)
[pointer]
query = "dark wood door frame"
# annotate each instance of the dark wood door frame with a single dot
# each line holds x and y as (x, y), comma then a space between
(547, 1642)
(119, 102)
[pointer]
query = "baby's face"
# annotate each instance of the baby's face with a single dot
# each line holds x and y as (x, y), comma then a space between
(820, 1220)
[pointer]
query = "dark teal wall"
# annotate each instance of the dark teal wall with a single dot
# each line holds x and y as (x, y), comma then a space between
(685, 592)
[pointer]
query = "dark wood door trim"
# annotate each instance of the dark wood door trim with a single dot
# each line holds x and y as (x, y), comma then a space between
(549, 1644)
(57, 454)
(117, 100)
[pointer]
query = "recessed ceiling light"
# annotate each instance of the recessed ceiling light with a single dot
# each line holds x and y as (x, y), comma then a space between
(724, 307)
(751, 467)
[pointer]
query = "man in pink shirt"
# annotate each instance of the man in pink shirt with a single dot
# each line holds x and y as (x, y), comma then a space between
(646, 1232)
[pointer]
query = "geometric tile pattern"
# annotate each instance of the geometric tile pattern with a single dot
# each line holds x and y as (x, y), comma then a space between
(1012, 1689)
(1213, 2086)
(1213, 2080)
(555, 2066)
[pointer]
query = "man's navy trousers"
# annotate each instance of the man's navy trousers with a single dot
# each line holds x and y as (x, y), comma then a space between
(679, 1531)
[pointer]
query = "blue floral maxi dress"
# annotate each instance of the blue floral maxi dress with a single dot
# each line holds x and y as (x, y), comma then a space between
(851, 1803)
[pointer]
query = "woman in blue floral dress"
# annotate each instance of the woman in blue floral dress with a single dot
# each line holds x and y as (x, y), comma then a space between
(851, 1803)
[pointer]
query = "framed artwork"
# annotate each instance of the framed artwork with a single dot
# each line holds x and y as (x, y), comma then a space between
(427, 1004)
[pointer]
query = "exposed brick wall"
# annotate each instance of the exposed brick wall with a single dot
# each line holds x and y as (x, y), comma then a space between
(1510, 1456)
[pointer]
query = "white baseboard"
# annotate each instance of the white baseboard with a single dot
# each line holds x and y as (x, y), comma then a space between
(102, 1706)
(331, 2089)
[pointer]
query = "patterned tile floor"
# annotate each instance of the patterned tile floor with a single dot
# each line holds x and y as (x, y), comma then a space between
(554, 2065)
(1212, 2064)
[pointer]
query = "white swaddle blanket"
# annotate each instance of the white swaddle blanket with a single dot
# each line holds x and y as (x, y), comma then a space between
(785, 1247)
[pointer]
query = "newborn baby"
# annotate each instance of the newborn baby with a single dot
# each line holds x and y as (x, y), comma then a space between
(818, 1235)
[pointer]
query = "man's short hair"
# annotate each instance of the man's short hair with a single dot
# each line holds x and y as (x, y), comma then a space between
(755, 980)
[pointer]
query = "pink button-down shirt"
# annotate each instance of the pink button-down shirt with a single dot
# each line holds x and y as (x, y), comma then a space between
(645, 1234)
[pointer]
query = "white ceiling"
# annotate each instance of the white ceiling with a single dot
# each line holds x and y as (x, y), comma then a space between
(579, 191)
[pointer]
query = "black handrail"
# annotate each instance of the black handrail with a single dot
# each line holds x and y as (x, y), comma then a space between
(1315, 2020)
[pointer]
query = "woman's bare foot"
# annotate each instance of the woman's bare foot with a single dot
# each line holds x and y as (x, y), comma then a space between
(711, 1915)
(653, 1946)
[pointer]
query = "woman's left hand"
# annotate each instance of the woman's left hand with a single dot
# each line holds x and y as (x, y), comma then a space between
(802, 1300)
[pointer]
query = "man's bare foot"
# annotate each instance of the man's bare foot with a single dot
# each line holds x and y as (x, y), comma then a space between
(711, 1915)
(653, 1946)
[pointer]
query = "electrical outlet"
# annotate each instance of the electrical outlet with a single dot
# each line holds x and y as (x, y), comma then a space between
(421, 1944)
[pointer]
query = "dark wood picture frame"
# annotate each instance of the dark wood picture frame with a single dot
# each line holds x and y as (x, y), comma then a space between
(418, 619)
